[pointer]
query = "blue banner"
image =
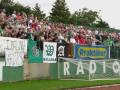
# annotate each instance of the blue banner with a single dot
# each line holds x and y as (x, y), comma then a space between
(91, 52)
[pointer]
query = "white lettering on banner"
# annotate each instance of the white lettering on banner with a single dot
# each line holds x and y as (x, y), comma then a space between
(61, 50)
(14, 58)
(104, 67)
(2, 64)
(80, 68)
(116, 67)
(66, 68)
(92, 67)
(49, 52)
(12, 43)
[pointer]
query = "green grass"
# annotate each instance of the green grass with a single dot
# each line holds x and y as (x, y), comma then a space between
(53, 84)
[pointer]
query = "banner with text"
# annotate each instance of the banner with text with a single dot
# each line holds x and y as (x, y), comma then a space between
(90, 69)
(91, 52)
(12, 43)
(14, 58)
(87, 69)
(49, 52)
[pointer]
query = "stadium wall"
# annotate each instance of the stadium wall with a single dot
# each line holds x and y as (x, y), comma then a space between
(25, 72)
(35, 70)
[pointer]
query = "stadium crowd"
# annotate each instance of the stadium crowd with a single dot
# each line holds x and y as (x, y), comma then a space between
(19, 25)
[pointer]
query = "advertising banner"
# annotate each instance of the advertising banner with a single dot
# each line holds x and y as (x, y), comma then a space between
(49, 52)
(12, 43)
(91, 52)
(2, 64)
(14, 58)
(90, 70)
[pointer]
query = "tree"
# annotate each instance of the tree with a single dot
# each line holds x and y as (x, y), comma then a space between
(60, 13)
(11, 6)
(101, 24)
(5, 3)
(37, 12)
(85, 17)
(20, 8)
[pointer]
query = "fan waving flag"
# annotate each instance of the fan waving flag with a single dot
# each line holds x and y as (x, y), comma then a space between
(35, 55)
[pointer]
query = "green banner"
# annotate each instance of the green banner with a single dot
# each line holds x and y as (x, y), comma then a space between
(35, 55)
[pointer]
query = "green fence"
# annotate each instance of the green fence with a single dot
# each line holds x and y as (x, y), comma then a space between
(53, 70)
(12, 74)
(115, 52)
(86, 69)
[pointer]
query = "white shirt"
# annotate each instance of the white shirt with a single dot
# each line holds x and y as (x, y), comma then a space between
(72, 40)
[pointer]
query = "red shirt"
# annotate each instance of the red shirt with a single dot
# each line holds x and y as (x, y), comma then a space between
(76, 38)
(82, 41)
(34, 25)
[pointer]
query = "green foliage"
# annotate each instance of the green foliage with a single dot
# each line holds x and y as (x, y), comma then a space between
(89, 18)
(37, 12)
(60, 12)
(101, 24)
(85, 17)
(19, 8)
(5, 3)
(11, 6)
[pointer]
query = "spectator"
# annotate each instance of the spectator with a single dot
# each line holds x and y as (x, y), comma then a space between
(108, 42)
(19, 24)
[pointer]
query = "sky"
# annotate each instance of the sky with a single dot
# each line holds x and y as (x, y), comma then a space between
(109, 8)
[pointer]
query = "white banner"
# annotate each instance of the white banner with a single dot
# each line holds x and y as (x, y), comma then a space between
(49, 52)
(14, 58)
(12, 43)
(1, 70)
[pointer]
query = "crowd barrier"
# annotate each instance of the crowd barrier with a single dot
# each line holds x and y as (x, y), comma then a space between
(23, 59)
(51, 51)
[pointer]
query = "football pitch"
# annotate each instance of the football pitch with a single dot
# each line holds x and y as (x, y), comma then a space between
(53, 84)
